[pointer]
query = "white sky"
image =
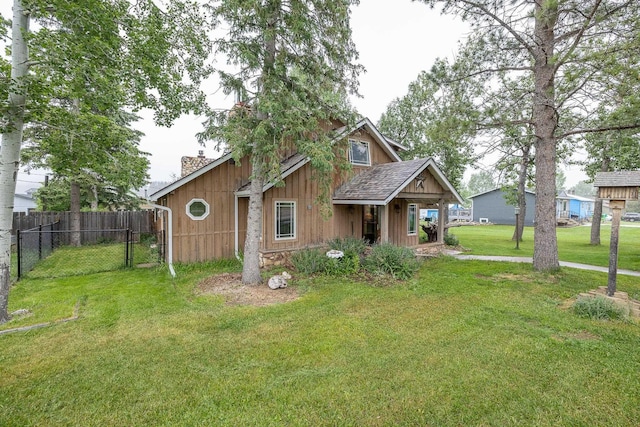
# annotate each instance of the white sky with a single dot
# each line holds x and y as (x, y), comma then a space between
(395, 43)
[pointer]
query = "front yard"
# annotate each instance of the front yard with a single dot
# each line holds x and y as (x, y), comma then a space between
(463, 343)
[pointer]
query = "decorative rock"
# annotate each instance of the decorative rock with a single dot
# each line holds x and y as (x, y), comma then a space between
(333, 253)
(279, 281)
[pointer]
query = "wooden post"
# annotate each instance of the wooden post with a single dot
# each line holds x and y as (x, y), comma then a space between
(441, 221)
(616, 207)
(384, 224)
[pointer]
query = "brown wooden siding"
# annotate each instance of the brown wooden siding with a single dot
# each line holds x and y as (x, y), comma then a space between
(618, 193)
(212, 237)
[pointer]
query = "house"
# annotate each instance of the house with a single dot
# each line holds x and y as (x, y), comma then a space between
(24, 203)
(491, 206)
(574, 207)
(378, 199)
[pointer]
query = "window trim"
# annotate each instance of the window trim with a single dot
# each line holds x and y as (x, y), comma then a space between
(207, 209)
(294, 220)
(414, 207)
(355, 163)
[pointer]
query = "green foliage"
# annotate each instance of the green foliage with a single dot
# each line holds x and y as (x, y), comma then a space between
(399, 262)
(348, 244)
(451, 239)
(310, 261)
(600, 308)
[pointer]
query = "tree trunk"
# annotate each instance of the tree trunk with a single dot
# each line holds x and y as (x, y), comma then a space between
(522, 199)
(75, 214)
(94, 201)
(597, 209)
(10, 149)
(545, 120)
(251, 266)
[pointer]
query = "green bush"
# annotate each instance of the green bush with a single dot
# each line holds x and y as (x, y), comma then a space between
(310, 261)
(451, 239)
(599, 307)
(348, 245)
(399, 262)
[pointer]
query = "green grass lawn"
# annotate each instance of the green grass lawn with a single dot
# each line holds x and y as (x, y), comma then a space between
(573, 244)
(463, 343)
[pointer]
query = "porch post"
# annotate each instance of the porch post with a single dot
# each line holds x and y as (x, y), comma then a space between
(384, 224)
(441, 221)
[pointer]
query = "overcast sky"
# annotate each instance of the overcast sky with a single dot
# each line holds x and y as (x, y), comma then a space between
(395, 43)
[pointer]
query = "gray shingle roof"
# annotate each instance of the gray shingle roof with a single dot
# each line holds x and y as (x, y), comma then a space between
(381, 181)
(617, 179)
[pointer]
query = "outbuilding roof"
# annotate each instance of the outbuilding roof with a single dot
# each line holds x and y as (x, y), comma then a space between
(617, 179)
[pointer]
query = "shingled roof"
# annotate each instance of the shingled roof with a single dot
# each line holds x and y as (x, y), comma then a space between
(617, 179)
(381, 183)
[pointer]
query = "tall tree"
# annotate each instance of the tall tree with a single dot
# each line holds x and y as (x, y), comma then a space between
(11, 139)
(287, 59)
(93, 58)
(559, 45)
(436, 118)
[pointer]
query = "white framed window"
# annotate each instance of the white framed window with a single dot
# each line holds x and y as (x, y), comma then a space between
(359, 153)
(197, 209)
(412, 220)
(285, 217)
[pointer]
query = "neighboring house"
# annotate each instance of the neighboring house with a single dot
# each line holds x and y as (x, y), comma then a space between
(491, 206)
(379, 200)
(24, 203)
(574, 207)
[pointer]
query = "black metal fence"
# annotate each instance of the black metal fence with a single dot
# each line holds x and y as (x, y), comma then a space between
(99, 250)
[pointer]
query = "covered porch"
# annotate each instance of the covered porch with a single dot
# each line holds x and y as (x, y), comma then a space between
(383, 202)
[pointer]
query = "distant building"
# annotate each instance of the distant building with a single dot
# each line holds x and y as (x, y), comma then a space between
(24, 203)
(491, 206)
(574, 207)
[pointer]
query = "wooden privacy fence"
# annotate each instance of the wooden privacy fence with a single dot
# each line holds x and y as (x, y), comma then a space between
(137, 221)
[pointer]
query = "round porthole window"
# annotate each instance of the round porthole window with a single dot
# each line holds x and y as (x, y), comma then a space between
(197, 209)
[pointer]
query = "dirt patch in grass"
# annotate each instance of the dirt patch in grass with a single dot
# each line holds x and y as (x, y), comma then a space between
(230, 286)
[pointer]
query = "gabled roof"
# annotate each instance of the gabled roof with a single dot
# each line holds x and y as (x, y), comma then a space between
(564, 195)
(292, 164)
(187, 178)
(617, 179)
(380, 184)
(287, 167)
(498, 189)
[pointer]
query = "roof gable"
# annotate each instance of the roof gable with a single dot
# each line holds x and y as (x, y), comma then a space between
(289, 165)
(382, 183)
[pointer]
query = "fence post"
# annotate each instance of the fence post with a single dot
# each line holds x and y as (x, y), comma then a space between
(18, 238)
(40, 241)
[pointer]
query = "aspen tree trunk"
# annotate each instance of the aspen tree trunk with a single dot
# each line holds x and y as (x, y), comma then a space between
(75, 214)
(522, 199)
(545, 119)
(10, 149)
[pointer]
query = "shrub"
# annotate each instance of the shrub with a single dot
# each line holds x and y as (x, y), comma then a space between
(451, 239)
(348, 245)
(599, 307)
(399, 262)
(310, 261)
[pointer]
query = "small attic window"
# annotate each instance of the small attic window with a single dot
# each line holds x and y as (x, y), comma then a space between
(197, 209)
(359, 153)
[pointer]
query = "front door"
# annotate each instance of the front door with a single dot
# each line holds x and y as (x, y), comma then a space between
(370, 223)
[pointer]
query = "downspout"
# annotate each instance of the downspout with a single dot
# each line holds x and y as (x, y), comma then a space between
(235, 230)
(170, 232)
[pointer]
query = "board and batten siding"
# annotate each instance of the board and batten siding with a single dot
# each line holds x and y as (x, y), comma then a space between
(214, 236)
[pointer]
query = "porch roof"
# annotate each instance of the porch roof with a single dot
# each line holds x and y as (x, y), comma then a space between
(382, 183)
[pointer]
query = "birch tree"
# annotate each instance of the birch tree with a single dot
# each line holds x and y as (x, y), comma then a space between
(291, 62)
(94, 58)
